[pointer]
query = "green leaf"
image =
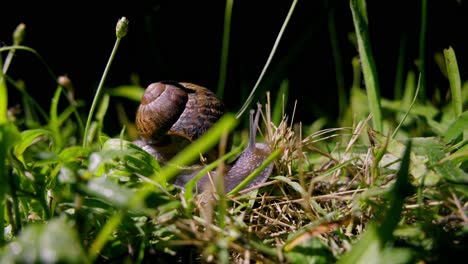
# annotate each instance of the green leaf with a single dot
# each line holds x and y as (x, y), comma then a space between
(133, 159)
(457, 128)
(109, 191)
(72, 154)
(29, 137)
(447, 169)
(52, 242)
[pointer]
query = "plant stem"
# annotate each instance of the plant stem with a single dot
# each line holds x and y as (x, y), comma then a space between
(422, 50)
(121, 31)
(224, 49)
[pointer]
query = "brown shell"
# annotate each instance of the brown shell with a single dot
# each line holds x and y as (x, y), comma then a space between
(203, 109)
(183, 109)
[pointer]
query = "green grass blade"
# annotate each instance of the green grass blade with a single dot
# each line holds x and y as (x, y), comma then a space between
(53, 122)
(358, 8)
(270, 57)
(225, 49)
(280, 102)
(422, 50)
(454, 78)
(410, 107)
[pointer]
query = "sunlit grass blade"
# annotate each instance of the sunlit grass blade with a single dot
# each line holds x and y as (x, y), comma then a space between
(358, 8)
(454, 79)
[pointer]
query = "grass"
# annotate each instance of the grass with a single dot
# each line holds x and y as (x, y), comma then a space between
(391, 190)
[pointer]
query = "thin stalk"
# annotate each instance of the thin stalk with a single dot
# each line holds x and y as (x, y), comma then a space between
(121, 31)
(270, 57)
(225, 49)
(409, 109)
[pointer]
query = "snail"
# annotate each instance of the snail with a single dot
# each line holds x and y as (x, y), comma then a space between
(173, 114)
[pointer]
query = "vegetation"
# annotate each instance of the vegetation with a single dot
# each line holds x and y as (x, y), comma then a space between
(388, 185)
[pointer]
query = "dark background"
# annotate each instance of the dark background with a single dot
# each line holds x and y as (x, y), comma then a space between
(181, 40)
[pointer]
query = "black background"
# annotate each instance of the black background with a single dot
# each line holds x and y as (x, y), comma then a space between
(181, 40)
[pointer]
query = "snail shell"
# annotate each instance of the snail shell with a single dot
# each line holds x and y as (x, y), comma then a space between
(183, 109)
(173, 114)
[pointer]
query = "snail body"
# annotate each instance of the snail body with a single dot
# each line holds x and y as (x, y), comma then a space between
(173, 114)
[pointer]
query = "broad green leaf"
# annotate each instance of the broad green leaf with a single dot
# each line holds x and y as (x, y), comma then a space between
(29, 137)
(457, 128)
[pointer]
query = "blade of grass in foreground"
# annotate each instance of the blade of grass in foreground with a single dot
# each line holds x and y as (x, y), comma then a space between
(370, 248)
(358, 9)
